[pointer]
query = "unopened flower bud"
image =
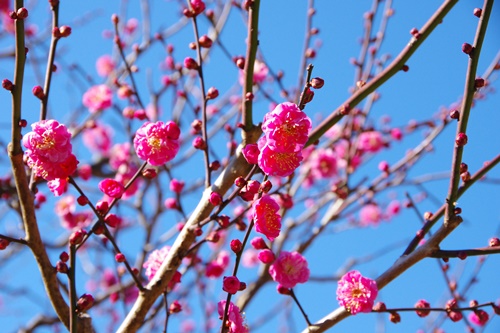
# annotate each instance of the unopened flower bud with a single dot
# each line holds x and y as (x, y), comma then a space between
(199, 143)
(175, 307)
(317, 83)
(38, 92)
(212, 93)
(7, 84)
(266, 186)
(236, 246)
(190, 63)
(494, 242)
(379, 307)
(77, 237)
(467, 48)
(394, 317)
(65, 31)
(22, 13)
(465, 176)
(479, 83)
(120, 257)
(149, 173)
(240, 181)
(455, 114)
(3, 243)
(422, 305)
(283, 290)
(214, 166)
(205, 41)
(461, 139)
(64, 256)
(62, 267)
(215, 198)
(213, 237)
(223, 220)
(477, 12)
(84, 303)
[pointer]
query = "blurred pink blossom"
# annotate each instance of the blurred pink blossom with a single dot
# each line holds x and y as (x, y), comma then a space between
(370, 214)
(98, 138)
(97, 98)
(105, 65)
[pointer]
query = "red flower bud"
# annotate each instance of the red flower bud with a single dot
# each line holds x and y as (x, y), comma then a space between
(467, 48)
(205, 41)
(461, 139)
(84, 303)
(7, 84)
(212, 93)
(38, 92)
(190, 63)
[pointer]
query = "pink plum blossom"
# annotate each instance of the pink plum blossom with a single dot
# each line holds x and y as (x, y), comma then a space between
(157, 143)
(49, 150)
(371, 141)
(370, 214)
(105, 65)
(250, 258)
(58, 186)
(275, 163)
(111, 188)
(260, 72)
(98, 138)
(356, 293)
(479, 317)
(153, 263)
(286, 128)
(251, 153)
(216, 267)
(289, 269)
(97, 98)
(266, 218)
(323, 163)
(119, 155)
(235, 320)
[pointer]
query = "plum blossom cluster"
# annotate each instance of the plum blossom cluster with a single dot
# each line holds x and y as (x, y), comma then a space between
(157, 143)
(286, 130)
(49, 153)
(356, 293)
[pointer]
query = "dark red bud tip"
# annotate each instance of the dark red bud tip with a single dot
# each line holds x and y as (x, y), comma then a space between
(115, 19)
(65, 31)
(394, 317)
(120, 257)
(190, 63)
(405, 68)
(7, 84)
(478, 12)
(494, 242)
(455, 114)
(479, 83)
(467, 48)
(22, 13)
(205, 41)
(461, 139)
(212, 93)
(462, 255)
(317, 83)
(38, 92)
